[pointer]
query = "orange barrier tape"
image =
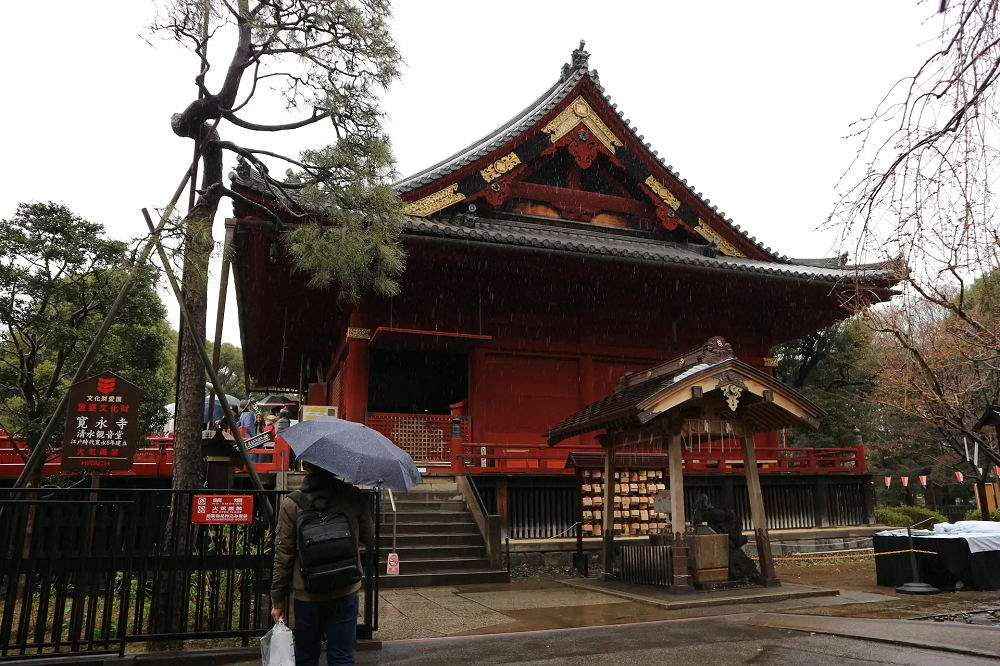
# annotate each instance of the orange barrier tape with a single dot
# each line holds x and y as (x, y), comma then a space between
(846, 557)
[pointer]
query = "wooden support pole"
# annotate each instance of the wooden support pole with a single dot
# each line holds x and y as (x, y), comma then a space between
(757, 514)
(579, 557)
(608, 515)
(220, 312)
(682, 579)
(502, 506)
(213, 376)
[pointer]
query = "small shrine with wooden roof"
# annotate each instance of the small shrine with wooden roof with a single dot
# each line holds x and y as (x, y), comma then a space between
(703, 400)
(545, 261)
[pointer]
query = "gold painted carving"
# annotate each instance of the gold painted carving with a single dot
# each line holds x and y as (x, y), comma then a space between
(770, 362)
(577, 112)
(359, 333)
(661, 191)
(710, 234)
(500, 167)
(432, 203)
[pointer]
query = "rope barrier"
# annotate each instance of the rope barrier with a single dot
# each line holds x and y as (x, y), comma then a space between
(564, 531)
(847, 557)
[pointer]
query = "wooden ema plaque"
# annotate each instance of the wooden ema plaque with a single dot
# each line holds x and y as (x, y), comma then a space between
(102, 425)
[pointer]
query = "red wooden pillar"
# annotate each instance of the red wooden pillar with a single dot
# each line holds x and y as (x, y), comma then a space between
(477, 397)
(587, 393)
(357, 368)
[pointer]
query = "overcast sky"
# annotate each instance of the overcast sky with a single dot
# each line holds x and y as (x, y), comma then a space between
(750, 101)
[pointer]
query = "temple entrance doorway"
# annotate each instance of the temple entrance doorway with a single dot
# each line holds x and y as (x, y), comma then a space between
(416, 382)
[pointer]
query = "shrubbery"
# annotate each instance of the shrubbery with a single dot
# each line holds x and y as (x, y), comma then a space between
(891, 517)
(976, 514)
(901, 516)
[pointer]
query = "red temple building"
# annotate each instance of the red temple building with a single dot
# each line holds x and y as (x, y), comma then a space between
(545, 261)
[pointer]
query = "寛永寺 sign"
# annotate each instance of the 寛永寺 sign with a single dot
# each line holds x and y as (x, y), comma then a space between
(102, 424)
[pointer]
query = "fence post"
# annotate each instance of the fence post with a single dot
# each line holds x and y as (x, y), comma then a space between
(456, 444)
(860, 448)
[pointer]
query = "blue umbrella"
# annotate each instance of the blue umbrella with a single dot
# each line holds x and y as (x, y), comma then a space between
(352, 451)
(216, 415)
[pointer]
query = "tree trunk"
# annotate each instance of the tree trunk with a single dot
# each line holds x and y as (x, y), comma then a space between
(188, 470)
(189, 417)
(190, 411)
(984, 506)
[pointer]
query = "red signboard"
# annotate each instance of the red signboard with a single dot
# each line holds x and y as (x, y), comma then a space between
(222, 509)
(102, 424)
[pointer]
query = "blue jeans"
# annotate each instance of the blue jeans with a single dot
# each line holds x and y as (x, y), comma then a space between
(337, 619)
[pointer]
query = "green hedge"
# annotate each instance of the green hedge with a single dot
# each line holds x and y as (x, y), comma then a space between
(976, 514)
(918, 513)
(901, 516)
(891, 517)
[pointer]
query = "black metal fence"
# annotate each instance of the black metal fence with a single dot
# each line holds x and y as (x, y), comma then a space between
(91, 571)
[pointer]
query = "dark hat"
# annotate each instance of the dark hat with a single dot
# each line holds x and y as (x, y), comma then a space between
(244, 404)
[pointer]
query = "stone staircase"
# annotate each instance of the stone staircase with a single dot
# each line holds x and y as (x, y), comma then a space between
(436, 539)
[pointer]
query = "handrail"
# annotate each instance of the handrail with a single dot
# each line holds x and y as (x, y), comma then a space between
(395, 518)
(472, 482)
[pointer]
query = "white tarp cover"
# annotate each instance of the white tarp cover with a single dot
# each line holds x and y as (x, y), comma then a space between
(980, 534)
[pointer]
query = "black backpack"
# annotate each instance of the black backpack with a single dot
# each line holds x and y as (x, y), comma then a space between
(327, 545)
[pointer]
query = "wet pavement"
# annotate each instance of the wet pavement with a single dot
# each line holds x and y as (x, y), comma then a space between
(718, 641)
(549, 622)
(968, 639)
(529, 605)
(667, 599)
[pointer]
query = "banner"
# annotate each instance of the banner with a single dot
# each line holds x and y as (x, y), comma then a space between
(906, 481)
(888, 481)
(923, 481)
(958, 475)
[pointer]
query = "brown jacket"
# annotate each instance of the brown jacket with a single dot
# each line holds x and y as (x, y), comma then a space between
(287, 576)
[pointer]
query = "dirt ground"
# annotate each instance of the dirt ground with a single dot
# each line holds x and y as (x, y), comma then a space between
(859, 575)
(847, 574)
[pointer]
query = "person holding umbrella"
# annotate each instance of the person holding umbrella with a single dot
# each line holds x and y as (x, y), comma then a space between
(329, 512)
(317, 555)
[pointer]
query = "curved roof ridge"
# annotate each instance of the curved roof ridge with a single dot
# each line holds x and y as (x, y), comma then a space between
(525, 118)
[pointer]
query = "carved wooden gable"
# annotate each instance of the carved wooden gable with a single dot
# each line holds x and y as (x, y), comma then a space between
(571, 156)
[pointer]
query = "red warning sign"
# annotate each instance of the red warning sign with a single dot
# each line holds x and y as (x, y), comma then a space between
(222, 509)
(393, 564)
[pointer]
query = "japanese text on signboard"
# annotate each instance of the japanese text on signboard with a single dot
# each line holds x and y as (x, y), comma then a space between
(222, 509)
(101, 424)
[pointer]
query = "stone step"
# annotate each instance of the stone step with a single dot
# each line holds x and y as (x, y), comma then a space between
(407, 517)
(444, 551)
(427, 496)
(426, 526)
(444, 577)
(435, 484)
(430, 565)
(426, 505)
(429, 540)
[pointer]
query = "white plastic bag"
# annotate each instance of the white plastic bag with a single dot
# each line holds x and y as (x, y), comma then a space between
(276, 648)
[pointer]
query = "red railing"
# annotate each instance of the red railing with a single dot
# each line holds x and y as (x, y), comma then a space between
(426, 437)
(154, 458)
(543, 459)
